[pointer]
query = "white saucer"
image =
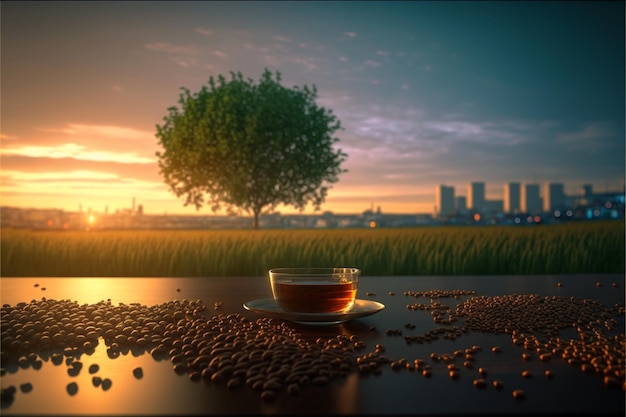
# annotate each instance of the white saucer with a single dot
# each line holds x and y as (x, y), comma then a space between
(269, 307)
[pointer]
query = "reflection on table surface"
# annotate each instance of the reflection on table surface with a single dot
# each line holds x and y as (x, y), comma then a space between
(409, 327)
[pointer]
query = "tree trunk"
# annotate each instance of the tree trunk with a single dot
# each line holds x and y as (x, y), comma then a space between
(256, 219)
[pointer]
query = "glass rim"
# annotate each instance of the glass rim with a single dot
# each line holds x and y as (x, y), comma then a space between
(315, 271)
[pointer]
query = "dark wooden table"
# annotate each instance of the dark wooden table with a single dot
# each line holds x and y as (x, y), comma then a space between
(162, 391)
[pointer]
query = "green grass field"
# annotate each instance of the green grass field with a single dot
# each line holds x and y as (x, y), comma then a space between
(584, 247)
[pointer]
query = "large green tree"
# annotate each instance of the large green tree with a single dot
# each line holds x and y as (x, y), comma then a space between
(250, 146)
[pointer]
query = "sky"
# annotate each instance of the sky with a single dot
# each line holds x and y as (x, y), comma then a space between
(428, 94)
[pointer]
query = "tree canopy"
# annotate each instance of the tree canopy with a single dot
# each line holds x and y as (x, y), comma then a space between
(249, 146)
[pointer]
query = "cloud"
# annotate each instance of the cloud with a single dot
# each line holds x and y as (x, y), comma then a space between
(32, 165)
(282, 60)
(307, 62)
(99, 164)
(102, 131)
(372, 63)
(281, 38)
(185, 63)
(6, 137)
(220, 54)
(351, 34)
(75, 151)
(394, 126)
(205, 32)
(171, 48)
(74, 175)
(94, 142)
(407, 145)
(458, 130)
(590, 136)
(266, 52)
(183, 56)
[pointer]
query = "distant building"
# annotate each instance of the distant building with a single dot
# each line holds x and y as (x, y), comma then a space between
(530, 198)
(476, 196)
(461, 204)
(444, 202)
(511, 201)
(553, 197)
(494, 206)
(592, 198)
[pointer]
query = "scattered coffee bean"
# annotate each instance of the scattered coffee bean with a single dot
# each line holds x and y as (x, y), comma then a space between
(72, 388)
(480, 383)
(106, 384)
(26, 387)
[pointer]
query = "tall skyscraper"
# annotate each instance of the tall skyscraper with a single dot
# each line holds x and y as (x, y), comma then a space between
(476, 196)
(444, 200)
(553, 197)
(530, 198)
(512, 198)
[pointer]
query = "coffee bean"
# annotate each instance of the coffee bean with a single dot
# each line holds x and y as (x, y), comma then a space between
(106, 384)
(480, 383)
(268, 395)
(26, 387)
(72, 388)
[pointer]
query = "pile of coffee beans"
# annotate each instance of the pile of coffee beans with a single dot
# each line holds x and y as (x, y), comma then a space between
(535, 322)
(265, 354)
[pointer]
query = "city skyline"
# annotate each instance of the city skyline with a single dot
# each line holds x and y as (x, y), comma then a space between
(428, 93)
(517, 197)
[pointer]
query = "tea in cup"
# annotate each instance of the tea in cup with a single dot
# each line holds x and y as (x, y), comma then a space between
(315, 290)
